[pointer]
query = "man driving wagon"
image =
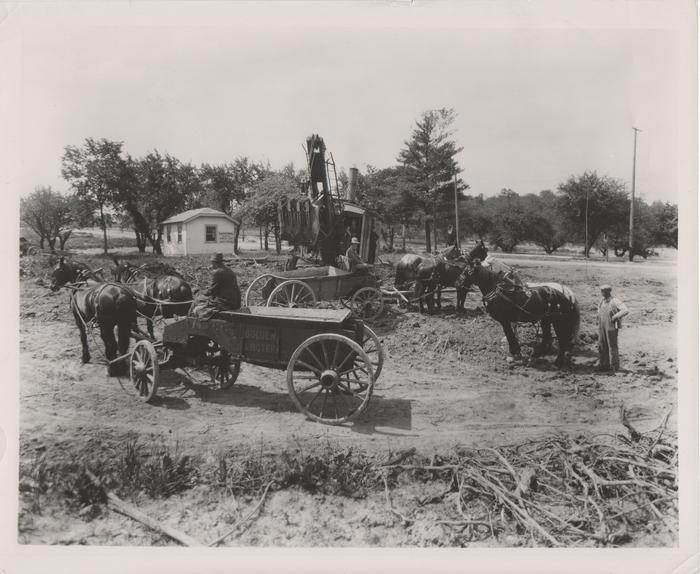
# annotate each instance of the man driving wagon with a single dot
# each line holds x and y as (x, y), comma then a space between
(222, 294)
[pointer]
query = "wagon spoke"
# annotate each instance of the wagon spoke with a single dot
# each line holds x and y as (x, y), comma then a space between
(325, 355)
(321, 366)
(291, 297)
(345, 360)
(311, 386)
(307, 366)
(335, 406)
(325, 398)
(335, 354)
(350, 408)
(311, 402)
(349, 390)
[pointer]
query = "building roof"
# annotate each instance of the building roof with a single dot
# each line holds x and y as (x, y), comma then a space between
(186, 216)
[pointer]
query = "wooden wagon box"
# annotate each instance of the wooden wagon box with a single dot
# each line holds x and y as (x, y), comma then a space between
(266, 336)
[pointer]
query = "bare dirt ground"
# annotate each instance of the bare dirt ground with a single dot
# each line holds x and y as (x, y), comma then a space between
(445, 384)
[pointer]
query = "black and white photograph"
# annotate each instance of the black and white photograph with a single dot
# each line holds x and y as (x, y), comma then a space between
(408, 286)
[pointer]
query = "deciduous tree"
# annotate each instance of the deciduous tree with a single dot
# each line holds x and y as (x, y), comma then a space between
(608, 205)
(95, 171)
(48, 214)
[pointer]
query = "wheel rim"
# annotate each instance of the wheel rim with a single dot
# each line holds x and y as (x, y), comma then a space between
(330, 379)
(292, 294)
(253, 295)
(367, 303)
(144, 370)
(373, 348)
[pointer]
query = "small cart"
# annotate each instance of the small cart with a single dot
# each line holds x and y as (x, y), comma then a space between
(360, 292)
(332, 359)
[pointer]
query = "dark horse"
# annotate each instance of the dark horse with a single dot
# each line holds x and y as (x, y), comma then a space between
(432, 273)
(508, 302)
(92, 299)
(162, 289)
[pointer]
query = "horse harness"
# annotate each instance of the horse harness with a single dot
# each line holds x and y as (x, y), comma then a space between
(500, 292)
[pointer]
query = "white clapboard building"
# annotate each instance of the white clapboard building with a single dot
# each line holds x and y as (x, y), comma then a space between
(198, 231)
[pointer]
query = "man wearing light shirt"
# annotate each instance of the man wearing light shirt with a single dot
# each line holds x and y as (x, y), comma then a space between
(610, 313)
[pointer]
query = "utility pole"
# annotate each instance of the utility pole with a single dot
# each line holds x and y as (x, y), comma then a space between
(585, 247)
(456, 212)
(634, 173)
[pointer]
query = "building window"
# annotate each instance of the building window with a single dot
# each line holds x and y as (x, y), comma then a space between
(210, 234)
(167, 232)
(179, 232)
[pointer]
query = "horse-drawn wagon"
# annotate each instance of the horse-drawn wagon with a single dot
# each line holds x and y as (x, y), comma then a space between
(332, 360)
(360, 292)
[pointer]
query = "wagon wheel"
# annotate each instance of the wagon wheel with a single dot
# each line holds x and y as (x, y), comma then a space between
(223, 370)
(144, 370)
(373, 348)
(329, 378)
(253, 295)
(293, 294)
(367, 303)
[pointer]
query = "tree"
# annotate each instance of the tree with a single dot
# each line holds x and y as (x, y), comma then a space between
(48, 214)
(160, 187)
(665, 224)
(508, 220)
(608, 206)
(543, 222)
(225, 186)
(474, 217)
(95, 171)
(392, 196)
(262, 199)
(429, 159)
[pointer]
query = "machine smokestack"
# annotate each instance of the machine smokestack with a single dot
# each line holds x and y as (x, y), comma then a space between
(351, 192)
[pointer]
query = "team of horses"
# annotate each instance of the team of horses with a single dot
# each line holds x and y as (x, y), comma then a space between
(147, 291)
(506, 298)
(158, 289)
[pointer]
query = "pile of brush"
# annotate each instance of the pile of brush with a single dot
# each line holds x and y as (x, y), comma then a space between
(559, 491)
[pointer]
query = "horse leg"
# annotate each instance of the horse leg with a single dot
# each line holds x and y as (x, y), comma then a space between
(107, 334)
(461, 299)
(420, 295)
(439, 298)
(430, 298)
(513, 343)
(545, 347)
(564, 333)
(149, 326)
(83, 337)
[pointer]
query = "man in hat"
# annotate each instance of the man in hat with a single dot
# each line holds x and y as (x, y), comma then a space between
(451, 236)
(354, 259)
(223, 293)
(292, 257)
(610, 313)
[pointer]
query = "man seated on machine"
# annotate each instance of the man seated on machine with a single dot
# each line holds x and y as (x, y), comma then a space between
(355, 263)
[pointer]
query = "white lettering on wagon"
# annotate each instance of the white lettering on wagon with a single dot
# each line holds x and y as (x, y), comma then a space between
(261, 342)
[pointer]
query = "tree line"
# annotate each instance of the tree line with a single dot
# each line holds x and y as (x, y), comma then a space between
(417, 192)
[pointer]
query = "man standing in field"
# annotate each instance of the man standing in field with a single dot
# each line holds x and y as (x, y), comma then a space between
(610, 313)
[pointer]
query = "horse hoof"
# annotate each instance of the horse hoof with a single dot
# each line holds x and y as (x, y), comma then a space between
(85, 359)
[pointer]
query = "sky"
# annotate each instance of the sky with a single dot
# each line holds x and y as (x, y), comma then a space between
(542, 93)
